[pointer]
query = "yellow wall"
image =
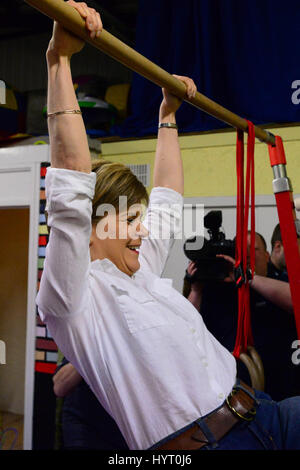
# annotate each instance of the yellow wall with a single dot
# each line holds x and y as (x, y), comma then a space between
(209, 160)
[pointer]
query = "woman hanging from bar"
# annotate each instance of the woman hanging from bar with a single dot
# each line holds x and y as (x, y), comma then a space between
(140, 345)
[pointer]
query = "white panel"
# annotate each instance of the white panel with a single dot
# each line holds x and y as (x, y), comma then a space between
(266, 219)
(20, 186)
(16, 185)
(23, 155)
(142, 172)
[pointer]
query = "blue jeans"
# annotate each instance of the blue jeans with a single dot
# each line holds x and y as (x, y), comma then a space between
(276, 426)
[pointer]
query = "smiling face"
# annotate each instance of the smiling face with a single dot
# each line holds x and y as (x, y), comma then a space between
(119, 202)
(118, 237)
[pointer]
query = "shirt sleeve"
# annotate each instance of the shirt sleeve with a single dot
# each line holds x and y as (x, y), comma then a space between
(64, 284)
(163, 221)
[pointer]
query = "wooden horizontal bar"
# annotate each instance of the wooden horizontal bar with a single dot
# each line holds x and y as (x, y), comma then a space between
(67, 16)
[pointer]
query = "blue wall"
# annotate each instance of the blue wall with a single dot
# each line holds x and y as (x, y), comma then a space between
(245, 55)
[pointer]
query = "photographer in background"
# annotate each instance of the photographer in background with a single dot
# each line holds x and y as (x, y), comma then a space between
(277, 265)
(272, 318)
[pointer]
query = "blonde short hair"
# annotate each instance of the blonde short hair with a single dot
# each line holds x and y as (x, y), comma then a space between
(115, 180)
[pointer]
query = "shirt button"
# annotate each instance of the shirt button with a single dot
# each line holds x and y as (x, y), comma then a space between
(221, 395)
(193, 330)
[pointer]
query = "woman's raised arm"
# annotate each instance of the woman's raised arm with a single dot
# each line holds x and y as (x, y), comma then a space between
(64, 284)
(168, 171)
(163, 218)
(69, 146)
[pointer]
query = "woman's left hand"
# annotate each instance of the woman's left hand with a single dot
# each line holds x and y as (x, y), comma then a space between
(170, 102)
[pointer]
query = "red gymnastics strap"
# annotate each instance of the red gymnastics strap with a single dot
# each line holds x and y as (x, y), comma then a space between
(287, 217)
(244, 332)
(239, 230)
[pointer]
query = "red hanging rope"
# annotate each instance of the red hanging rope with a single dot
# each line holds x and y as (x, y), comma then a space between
(244, 333)
(287, 217)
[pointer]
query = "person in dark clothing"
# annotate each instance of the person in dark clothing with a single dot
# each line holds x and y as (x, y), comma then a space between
(85, 423)
(272, 320)
(274, 329)
(274, 332)
(277, 258)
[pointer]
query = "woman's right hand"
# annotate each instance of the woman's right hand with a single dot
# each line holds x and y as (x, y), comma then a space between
(65, 44)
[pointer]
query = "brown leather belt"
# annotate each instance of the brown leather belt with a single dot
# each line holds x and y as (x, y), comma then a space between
(238, 406)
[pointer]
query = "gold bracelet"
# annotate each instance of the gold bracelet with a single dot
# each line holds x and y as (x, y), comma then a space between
(168, 125)
(68, 111)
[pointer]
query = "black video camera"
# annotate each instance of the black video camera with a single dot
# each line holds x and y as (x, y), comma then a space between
(209, 267)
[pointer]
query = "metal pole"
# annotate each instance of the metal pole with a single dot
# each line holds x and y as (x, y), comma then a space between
(66, 15)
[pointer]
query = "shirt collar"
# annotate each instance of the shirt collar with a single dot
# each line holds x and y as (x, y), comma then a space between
(109, 267)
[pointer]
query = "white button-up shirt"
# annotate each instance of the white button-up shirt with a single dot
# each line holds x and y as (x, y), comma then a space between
(140, 345)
